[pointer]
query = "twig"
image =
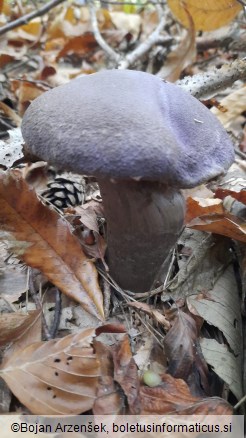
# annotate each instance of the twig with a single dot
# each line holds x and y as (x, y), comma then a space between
(38, 304)
(114, 56)
(28, 17)
(57, 314)
(127, 61)
(207, 85)
(145, 47)
(106, 295)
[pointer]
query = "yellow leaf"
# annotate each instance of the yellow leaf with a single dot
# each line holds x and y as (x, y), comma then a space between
(206, 14)
(1, 5)
(31, 30)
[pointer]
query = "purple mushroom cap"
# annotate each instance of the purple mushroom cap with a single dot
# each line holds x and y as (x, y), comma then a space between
(124, 124)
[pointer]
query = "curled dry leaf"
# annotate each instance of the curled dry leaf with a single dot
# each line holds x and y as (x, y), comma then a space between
(178, 59)
(14, 325)
(207, 15)
(239, 196)
(173, 397)
(55, 377)
(210, 215)
(44, 241)
(109, 400)
(184, 354)
(79, 45)
(126, 374)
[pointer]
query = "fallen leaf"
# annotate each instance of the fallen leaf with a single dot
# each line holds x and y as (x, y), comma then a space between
(26, 91)
(11, 148)
(14, 325)
(55, 377)
(225, 364)
(80, 45)
(43, 240)
(154, 313)
(210, 215)
(173, 397)
(126, 373)
(10, 113)
(240, 196)
(178, 59)
(221, 308)
(109, 400)
(30, 31)
(183, 351)
(206, 14)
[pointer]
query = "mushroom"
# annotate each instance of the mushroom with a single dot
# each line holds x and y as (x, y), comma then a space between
(143, 139)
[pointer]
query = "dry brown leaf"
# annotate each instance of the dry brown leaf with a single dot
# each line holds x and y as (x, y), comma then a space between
(173, 397)
(44, 240)
(210, 215)
(109, 400)
(11, 53)
(55, 377)
(26, 91)
(185, 360)
(15, 325)
(182, 56)
(80, 45)
(10, 113)
(240, 196)
(154, 313)
(126, 374)
(206, 14)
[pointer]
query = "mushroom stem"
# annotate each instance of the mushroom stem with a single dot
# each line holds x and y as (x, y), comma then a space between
(144, 220)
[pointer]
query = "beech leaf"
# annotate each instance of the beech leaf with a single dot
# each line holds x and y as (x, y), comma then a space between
(173, 397)
(206, 14)
(55, 377)
(210, 215)
(42, 238)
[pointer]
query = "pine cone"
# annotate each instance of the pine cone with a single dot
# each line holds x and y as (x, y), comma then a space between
(65, 191)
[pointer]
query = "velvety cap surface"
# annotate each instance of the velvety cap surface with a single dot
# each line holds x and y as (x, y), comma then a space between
(127, 124)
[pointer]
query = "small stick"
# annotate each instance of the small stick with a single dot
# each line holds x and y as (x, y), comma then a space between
(114, 56)
(207, 85)
(28, 17)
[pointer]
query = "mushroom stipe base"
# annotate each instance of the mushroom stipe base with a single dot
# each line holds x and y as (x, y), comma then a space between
(144, 220)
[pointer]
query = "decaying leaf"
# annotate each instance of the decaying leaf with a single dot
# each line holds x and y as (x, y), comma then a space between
(210, 215)
(206, 14)
(55, 377)
(14, 325)
(11, 148)
(240, 196)
(182, 56)
(154, 313)
(126, 374)
(184, 355)
(220, 307)
(173, 397)
(27, 91)
(225, 364)
(43, 239)
(109, 400)
(79, 45)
